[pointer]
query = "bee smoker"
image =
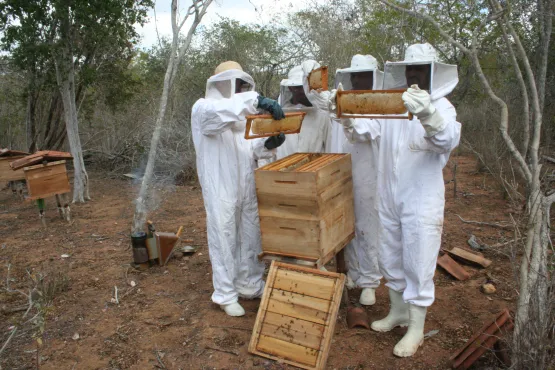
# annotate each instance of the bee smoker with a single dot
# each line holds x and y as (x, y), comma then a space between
(140, 252)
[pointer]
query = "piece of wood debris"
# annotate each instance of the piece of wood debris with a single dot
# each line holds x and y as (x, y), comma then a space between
(236, 353)
(469, 256)
(453, 268)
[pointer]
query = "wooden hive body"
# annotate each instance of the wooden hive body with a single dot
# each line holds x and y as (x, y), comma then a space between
(47, 180)
(305, 203)
(297, 315)
(6, 172)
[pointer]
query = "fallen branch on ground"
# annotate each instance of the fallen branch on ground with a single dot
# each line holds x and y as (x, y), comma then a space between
(223, 350)
(499, 226)
(230, 327)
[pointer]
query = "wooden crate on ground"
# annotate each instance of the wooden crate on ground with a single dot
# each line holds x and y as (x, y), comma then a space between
(297, 315)
(47, 180)
(305, 203)
(6, 172)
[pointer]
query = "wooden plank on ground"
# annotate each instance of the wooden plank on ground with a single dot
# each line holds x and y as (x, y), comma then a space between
(303, 283)
(301, 311)
(285, 333)
(293, 326)
(289, 351)
(469, 256)
(452, 267)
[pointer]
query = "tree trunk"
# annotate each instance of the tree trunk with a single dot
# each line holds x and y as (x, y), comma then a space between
(198, 8)
(141, 203)
(65, 76)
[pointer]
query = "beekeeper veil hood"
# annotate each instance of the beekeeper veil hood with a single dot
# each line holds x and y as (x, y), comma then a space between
(291, 92)
(363, 67)
(443, 77)
(228, 75)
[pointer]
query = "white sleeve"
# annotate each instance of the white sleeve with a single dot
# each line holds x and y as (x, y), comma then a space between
(218, 115)
(259, 151)
(447, 139)
(362, 130)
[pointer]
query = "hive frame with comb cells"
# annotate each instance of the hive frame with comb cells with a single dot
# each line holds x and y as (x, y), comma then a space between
(375, 103)
(263, 125)
(318, 79)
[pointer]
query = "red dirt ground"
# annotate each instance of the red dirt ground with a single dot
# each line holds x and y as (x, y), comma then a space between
(169, 311)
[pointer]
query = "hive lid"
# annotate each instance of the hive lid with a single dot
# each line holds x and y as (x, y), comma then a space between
(297, 315)
(263, 125)
(379, 104)
(302, 162)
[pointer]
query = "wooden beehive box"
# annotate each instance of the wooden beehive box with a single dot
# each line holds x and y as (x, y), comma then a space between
(6, 172)
(305, 203)
(297, 315)
(47, 180)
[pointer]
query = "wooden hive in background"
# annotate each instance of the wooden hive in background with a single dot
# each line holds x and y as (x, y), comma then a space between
(297, 315)
(47, 180)
(6, 172)
(305, 203)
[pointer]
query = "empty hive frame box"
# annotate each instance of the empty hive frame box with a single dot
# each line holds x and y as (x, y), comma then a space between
(6, 172)
(384, 104)
(263, 125)
(297, 315)
(47, 180)
(318, 79)
(305, 204)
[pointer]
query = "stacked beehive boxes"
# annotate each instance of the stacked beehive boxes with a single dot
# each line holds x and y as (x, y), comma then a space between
(305, 203)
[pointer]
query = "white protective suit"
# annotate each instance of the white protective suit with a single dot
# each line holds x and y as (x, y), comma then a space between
(316, 123)
(225, 165)
(361, 254)
(410, 180)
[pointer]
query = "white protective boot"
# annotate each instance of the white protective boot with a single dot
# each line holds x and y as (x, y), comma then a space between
(415, 335)
(398, 313)
(368, 296)
(233, 309)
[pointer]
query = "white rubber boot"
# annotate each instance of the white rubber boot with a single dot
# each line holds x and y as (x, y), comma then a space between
(368, 296)
(349, 283)
(233, 309)
(398, 313)
(415, 335)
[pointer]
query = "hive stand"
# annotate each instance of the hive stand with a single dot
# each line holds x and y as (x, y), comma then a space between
(47, 180)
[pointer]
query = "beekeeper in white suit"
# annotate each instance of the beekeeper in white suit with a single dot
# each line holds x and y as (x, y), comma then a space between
(410, 184)
(361, 254)
(225, 165)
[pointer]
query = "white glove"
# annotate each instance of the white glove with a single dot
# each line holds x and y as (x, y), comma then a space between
(418, 102)
(347, 123)
(332, 103)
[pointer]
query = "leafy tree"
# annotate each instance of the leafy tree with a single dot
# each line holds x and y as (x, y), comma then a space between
(65, 41)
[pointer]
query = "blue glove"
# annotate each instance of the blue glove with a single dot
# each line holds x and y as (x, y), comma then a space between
(274, 141)
(271, 106)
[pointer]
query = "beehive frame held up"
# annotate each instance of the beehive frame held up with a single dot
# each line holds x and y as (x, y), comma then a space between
(318, 79)
(263, 125)
(297, 315)
(377, 104)
(47, 180)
